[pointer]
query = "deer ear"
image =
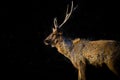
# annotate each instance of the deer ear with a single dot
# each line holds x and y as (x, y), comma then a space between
(53, 29)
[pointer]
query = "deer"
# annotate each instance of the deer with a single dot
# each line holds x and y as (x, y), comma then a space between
(81, 51)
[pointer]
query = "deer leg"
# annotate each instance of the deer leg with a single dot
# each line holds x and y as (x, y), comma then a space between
(81, 72)
(111, 66)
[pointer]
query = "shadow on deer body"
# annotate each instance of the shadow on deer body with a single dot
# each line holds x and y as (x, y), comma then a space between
(82, 52)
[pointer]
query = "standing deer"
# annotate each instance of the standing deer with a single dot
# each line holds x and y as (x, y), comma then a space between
(81, 52)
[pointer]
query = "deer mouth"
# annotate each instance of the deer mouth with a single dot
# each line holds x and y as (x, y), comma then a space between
(52, 45)
(47, 42)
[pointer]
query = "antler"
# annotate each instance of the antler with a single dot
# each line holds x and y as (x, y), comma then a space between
(55, 22)
(66, 17)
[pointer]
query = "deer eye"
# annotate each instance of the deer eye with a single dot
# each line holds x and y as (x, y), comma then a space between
(54, 34)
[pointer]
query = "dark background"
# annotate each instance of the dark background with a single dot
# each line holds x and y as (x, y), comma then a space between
(24, 26)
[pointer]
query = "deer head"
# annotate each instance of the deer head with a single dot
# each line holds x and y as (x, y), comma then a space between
(56, 34)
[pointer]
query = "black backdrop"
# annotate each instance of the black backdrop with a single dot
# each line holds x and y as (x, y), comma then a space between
(26, 24)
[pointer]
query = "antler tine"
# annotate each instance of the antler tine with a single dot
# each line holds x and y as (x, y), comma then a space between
(67, 15)
(55, 22)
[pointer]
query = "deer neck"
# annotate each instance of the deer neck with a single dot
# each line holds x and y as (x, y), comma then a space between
(64, 46)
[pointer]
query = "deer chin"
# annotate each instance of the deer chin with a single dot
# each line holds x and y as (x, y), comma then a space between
(52, 45)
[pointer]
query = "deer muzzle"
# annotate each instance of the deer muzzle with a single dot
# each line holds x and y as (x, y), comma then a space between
(47, 42)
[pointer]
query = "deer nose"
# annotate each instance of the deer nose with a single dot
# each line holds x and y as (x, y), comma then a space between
(47, 42)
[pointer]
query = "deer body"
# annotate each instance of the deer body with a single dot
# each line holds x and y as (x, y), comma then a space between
(81, 52)
(95, 53)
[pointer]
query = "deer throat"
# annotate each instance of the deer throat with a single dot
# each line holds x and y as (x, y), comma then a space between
(64, 48)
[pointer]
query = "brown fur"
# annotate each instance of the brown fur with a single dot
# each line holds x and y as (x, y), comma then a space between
(80, 52)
